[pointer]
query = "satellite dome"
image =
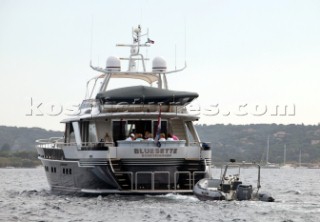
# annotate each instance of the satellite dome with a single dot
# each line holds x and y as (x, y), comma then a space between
(159, 64)
(113, 64)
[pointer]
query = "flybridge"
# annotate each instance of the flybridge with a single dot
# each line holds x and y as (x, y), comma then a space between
(113, 66)
(145, 95)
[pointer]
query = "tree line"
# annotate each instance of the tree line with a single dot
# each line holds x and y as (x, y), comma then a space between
(241, 142)
(249, 142)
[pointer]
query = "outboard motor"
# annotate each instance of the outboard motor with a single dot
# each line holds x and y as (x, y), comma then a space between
(244, 192)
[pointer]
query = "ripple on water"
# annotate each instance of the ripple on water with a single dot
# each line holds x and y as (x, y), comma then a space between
(295, 201)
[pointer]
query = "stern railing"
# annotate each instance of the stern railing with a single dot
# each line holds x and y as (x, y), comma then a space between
(58, 143)
(137, 184)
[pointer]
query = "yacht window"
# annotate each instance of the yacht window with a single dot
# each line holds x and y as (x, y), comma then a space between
(69, 134)
(130, 127)
(138, 126)
(118, 130)
(84, 131)
(191, 133)
(92, 132)
(121, 129)
(88, 132)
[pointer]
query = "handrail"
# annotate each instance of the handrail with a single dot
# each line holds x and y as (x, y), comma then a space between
(50, 143)
(181, 172)
(130, 173)
(144, 172)
(49, 140)
(239, 165)
(152, 173)
(148, 143)
(194, 176)
(125, 107)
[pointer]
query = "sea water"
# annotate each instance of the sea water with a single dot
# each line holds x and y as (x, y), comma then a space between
(25, 196)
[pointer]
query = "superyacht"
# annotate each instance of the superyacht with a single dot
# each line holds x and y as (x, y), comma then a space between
(114, 144)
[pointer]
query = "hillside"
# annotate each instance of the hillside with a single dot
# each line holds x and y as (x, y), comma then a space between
(242, 142)
(249, 142)
(22, 138)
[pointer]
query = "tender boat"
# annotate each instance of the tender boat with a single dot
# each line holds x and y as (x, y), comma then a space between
(230, 187)
(95, 156)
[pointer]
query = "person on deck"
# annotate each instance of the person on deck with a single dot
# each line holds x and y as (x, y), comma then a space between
(169, 137)
(107, 138)
(139, 137)
(162, 137)
(148, 136)
(172, 137)
(131, 137)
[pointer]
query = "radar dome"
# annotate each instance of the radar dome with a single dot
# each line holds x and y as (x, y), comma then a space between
(159, 64)
(113, 64)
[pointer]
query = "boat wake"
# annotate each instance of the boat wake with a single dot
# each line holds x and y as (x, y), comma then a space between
(175, 197)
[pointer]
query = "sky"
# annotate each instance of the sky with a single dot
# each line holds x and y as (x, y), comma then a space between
(250, 61)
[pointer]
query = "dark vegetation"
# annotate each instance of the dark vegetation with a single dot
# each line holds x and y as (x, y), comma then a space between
(22, 158)
(17, 145)
(249, 142)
